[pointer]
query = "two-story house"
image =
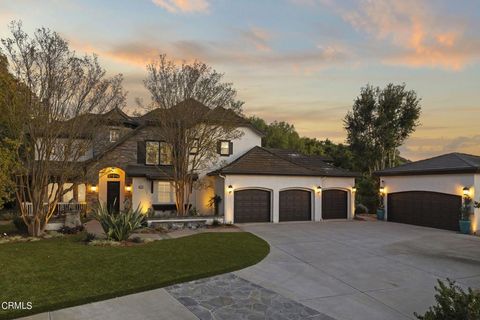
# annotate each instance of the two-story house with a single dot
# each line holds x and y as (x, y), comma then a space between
(129, 160)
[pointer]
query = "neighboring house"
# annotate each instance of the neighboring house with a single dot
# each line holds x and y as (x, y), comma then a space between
(129, 160)
(429, 192)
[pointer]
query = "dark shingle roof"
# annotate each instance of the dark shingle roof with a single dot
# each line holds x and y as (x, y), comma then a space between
(263, 161)
(150, 172)
(443, 164)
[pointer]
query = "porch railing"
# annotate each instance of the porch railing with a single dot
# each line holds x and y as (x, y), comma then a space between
(62, 207)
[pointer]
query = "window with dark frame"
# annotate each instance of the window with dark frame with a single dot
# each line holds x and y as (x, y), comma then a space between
(225, 147)
(114, 135)
(152, 152)
(165, 153)
(194, 148)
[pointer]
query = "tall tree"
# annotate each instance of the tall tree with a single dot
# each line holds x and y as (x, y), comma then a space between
(8, 145)
(195, 110)
(379, 123)
(61, 89)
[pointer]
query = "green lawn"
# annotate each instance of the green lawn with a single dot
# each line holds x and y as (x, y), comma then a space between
(62, 272)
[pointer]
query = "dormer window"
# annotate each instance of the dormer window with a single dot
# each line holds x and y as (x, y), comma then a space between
(225, 148)
(114, 135)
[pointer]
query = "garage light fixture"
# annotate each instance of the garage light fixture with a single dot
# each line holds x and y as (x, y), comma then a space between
(319, 188)
(230, 189)
(354, 189)
(466, 191)
(382, 189)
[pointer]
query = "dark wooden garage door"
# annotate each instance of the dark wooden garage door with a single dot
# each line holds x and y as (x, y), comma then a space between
(422, 208)
(334, 204)
(252, 205)
(295, 205)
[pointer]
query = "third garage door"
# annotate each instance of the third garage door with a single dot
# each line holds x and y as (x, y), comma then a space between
(334, 204)
(295, 205)
(423, 208)
(251, 205)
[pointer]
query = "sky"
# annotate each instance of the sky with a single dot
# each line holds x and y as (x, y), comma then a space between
(300, 61)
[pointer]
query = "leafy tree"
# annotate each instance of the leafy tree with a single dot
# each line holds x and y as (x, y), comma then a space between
(47, 117)
(195, 110)
(380, 122)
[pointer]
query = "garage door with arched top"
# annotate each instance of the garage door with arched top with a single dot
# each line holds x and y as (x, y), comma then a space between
(334, 204)
(251, 205)
(295, 205)
(424, 208)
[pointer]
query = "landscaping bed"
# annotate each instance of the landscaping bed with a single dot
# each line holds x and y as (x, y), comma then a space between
(61, 272)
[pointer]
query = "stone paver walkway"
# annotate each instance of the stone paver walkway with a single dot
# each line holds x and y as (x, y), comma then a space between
(228, 297)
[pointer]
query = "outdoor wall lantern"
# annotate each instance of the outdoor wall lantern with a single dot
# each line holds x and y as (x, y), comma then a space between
(93, 188)
(319, 188)
(466, 191)
(128, 188)
(230, 189)
(382, 187)
(354, 189)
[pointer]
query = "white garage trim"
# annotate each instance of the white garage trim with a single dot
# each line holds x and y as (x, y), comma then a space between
(275, 184)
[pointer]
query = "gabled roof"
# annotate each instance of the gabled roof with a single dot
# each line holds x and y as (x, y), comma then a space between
(262, 161)
(150, 172)
(443, 164)
(299, 158)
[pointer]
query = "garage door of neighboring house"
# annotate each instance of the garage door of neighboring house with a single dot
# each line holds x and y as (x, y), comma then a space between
(334, 204)
(251, 205)
(295, 205)
(424, 208)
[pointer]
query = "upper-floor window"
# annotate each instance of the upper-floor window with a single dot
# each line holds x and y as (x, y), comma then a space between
(166, 192)
(152, 154)
(114, 135)
(165, 153)
(225, 147)
(194, 148)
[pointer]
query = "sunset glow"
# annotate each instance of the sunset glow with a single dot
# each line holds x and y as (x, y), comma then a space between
(300, 61)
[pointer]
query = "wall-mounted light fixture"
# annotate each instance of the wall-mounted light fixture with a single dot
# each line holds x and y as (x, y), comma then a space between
(466, 191)
(319, 189)
(93, 188)
(382, 187)
(230, 189)
(354, 189)
(128, 188)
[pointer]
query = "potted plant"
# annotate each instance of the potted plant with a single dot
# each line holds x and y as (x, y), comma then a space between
(381, 212)
(381, 209)
(465, 211)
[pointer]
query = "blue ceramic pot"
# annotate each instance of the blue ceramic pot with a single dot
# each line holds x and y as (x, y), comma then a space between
(380, 214)
(464, 226)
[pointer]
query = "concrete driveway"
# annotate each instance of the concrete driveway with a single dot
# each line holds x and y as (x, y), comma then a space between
(362, 270)
(315, 271)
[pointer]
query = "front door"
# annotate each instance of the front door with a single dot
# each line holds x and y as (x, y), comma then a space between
(113, 196)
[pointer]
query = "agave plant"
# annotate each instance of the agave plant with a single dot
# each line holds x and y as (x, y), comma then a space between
(118, 226)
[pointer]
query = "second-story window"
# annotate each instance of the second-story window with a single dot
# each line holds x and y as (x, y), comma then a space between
(152, 154)
(114, 135)
(194, 148)
(225, 148)
(165, 153)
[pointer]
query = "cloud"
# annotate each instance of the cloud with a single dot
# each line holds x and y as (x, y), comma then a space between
(420, 35)
(183, 6)
(258, 37)
(421, 148)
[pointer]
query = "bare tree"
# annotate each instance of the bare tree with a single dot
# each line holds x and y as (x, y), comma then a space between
(53, 124)
(194, 110)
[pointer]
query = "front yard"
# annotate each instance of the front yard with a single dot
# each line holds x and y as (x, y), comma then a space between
(62, 272)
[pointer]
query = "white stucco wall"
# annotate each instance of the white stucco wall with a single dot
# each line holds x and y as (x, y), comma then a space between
(443, 183)
(275, 184)
(141, 194)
